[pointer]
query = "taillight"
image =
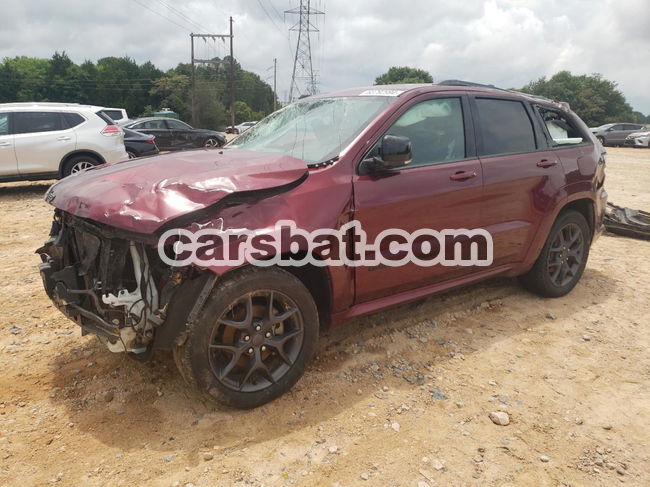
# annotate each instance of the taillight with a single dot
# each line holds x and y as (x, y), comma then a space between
(111, 130)
(150, 141)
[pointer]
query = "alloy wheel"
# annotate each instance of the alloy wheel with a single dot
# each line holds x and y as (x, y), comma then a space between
(256, 341)
(566, 254)
(211, 143)
(81, 166)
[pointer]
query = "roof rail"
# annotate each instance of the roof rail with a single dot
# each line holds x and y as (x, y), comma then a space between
(457, 82)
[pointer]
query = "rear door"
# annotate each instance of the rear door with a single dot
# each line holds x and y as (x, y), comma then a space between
(8, 164)
(41, 139)
(522, 177)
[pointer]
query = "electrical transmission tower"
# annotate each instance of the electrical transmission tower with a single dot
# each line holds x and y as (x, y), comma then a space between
(303, 71)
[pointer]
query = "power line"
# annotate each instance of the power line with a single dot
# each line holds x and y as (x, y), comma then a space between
(182, 15)
(161, 15)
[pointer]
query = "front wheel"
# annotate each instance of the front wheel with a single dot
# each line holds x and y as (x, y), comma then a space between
(211, 143)
(253, 339)
(563, 259)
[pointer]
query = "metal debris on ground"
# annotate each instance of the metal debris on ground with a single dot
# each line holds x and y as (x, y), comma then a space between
(627, 222)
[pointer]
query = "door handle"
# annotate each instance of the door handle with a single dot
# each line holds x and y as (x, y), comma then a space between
(63, 138)
(462, 176)
(546, 163)
(5, 144)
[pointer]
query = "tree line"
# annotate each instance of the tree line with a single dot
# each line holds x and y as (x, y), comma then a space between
(596, 100)
(141, 89)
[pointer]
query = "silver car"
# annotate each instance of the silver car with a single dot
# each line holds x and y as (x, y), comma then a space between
(615, 133)
(54, 140)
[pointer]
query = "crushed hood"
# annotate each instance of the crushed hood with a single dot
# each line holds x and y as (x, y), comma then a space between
(141, 195)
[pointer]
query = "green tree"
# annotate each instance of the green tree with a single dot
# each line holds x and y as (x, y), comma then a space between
(595, 99)
(403, 75)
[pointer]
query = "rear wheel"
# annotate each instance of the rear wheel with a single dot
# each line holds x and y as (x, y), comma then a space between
(563, 258)
(132, 155)
(253, 339)
(78, 163)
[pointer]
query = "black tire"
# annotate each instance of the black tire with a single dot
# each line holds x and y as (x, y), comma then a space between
(212, 143)
(244, 362)
(601, 140)
(78, 163)
(562, 260)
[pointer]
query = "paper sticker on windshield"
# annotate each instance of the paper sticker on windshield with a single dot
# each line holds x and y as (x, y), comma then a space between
(381, 93)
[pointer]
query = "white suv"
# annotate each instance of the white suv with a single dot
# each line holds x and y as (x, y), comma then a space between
(54, 140)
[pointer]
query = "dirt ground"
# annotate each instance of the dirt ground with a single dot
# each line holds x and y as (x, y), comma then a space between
(399, 398)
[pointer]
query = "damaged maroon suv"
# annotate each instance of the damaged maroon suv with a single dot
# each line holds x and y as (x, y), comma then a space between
(454, 155)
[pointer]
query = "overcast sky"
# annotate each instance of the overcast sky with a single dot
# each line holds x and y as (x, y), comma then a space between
(501, 42)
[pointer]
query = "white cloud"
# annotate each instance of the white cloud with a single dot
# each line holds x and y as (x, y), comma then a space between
(504, 42)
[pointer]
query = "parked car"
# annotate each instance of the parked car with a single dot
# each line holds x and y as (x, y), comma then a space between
(241, 128)
(138, 144)
(407, 157)
(118, 115)
(174, 134)
(638, 139)
(54, 140)
(615, 133)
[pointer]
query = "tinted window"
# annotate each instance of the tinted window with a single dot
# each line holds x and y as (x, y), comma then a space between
(4, 123)
(150, 124)
(73, 119)
(632, 126)
(114, 114)
(618, 127)
(30, 122)
(504, 126)
(177, 125)
(435, 129)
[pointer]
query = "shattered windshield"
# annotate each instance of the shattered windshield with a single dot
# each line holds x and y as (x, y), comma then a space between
(313, 130)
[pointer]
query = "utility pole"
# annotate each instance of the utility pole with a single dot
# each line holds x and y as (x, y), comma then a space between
(192, 106)
(275, 79)
(232, 80)
(212, 61)
(302, 65)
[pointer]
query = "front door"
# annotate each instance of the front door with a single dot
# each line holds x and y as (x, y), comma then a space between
(440, 189)
(8, 165)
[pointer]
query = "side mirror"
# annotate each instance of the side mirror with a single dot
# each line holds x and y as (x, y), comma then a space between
(394, 153)
(609, 129)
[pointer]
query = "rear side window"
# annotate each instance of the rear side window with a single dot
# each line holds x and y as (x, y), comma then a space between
(73, 119)
(4, 123)
(32, 122)
(560, 127)
(505, 127)
(114, 114)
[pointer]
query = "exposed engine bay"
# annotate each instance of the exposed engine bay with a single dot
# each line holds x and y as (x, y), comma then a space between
(109, 282)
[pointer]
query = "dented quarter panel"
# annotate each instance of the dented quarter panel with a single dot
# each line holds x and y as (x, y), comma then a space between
(128, 195)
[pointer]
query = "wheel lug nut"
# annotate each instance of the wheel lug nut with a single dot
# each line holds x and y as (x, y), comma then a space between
(246, 338)
(263, 348)
(268, 334)
(250, 350)
(258, 328)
